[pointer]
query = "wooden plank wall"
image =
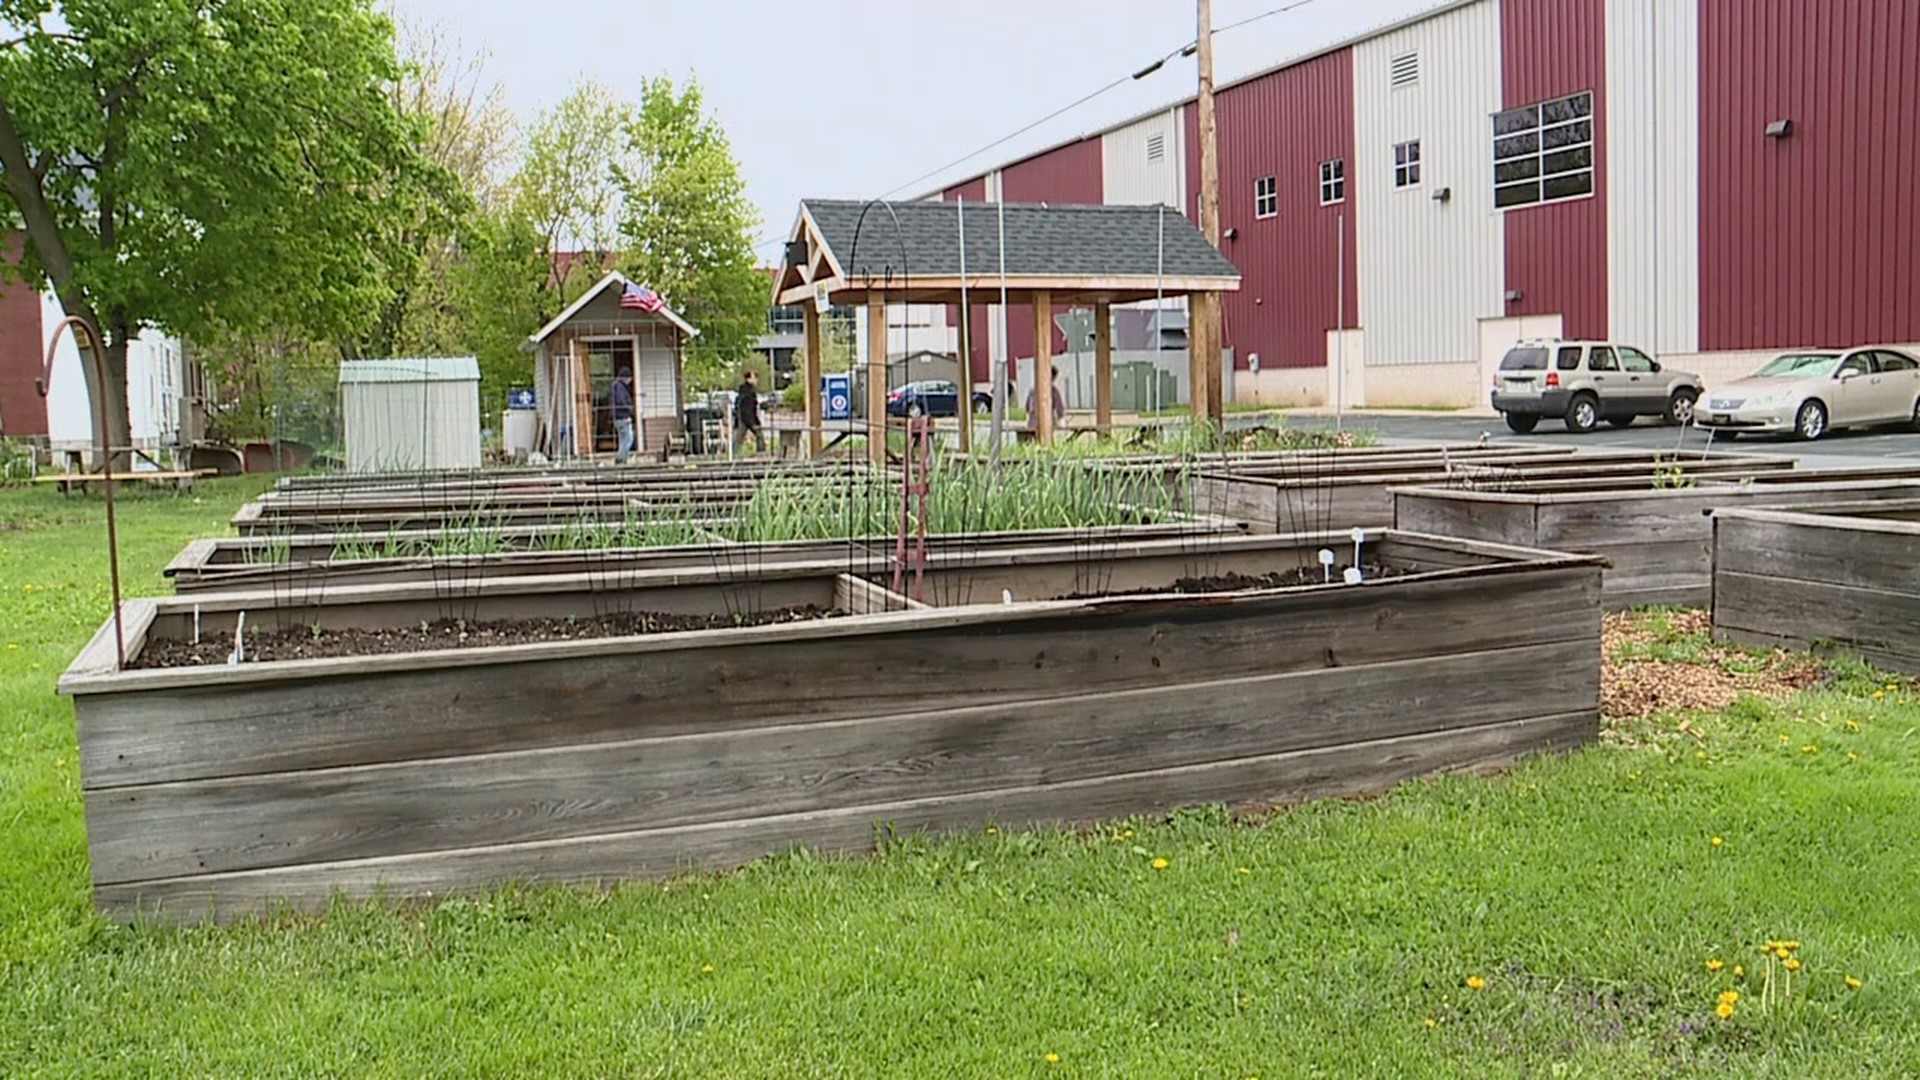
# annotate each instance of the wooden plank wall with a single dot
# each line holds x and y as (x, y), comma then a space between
(605, 760)
(1801, 580)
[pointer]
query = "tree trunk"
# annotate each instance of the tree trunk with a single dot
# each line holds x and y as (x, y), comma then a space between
(119, 415)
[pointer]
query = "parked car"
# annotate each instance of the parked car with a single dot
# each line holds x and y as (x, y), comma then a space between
(1810, 392)
(1585, 382)
(933, 397)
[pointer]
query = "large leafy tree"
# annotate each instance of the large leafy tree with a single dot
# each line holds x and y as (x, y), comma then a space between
(568, 188)
(211, 167)
(688, 227)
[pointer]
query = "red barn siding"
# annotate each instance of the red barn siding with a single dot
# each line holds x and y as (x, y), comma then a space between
(23, 411)
(1064, 174)
(1812, 239)
(1556, 254)
(1284, 125)
(974, 191)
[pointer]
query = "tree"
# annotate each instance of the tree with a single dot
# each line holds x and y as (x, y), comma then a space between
(208, 167)
(568, 189)
(688, 228)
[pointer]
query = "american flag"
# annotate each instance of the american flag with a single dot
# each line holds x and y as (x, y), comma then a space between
(640, 298)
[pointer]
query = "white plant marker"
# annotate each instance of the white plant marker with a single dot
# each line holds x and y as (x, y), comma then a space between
(239, 653)
(1359, 537)
(1006, 596)
(196, 624)
(1352, 575)
(1326, 565)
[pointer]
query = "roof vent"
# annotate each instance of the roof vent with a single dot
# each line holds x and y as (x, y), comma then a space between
(1156, 147)
(1404, 70)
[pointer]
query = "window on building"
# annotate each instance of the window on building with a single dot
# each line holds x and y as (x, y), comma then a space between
(1403, 70)
(1266, 197)
(1156, 147)
(1333, 181)
(1543, 153)
(1406, 164)
(786, 320)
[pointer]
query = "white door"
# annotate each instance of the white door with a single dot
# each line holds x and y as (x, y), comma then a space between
(1346, 369)
(1498, 335)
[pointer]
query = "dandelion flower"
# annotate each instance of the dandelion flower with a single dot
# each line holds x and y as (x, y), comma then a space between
(991, 831)
(1700, 755)
(1475, 982)
(1851, 756)
(1161, 864)
(1717, 841)
(1729, 997)
(1791, 944)
(1792, 964)
(1809, 749)
(706, 969)
(1785, 738)
(1245, 870)
(1723, 1010)
(1879, 694)
(1853, 725)
(1782, 952)
(1853, 982)
(1430, 1022)
(1714, 965)
(1739, 972)
(1052, 1059)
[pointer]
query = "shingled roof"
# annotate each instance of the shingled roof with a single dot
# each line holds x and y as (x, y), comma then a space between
(1042, 241)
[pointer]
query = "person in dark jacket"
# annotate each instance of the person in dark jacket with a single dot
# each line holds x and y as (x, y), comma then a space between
(621, 398)
(746, 413)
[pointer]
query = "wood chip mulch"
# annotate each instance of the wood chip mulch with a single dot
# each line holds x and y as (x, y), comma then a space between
(1635, 689)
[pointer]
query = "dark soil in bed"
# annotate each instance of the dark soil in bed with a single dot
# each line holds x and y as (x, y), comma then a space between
(1236, 582)
(304, 643)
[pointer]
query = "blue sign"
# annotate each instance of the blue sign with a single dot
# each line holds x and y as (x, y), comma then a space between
(836, 397)
(518, 398)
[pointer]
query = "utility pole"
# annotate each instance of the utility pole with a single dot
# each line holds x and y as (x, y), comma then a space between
(1204, 308)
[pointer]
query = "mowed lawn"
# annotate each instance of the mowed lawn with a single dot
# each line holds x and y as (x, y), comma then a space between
(1559, 920)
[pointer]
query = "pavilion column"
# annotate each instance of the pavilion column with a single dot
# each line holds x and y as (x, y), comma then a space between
(966, 377)
(1043, 417)
(1103, 367)
(877, 378)
(1200, 345)
(812, 375)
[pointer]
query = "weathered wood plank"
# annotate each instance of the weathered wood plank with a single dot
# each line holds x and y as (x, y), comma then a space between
(860, 597)
(1351, 768)
(1877, 621)
(189, 725)
(1441, 514)
(1833, 550)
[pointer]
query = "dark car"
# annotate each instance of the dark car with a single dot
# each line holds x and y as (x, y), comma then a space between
(933, 397)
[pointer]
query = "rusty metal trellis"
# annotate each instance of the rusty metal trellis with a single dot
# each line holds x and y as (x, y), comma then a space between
(42, 386)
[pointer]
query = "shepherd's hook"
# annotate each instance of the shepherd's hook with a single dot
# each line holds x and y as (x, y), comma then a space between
(43, 385)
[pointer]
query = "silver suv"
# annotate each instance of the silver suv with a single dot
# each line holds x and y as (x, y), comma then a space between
(1585, 382)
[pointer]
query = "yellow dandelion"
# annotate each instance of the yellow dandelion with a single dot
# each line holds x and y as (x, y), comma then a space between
(1739, 972)
(1127, 835)
(1052, 1059)
(1782, 952)
(1717, 841)
(1475, 982)
(1723, 1010)
(1430, 1023)
(1791, 944)
(706, 969)
(1892, 686)
(1809, 749)
(1244, 870)
(1851, 756)
(1729, 997)
(1714, 965)
(1700, 755)
(1785, 738)
(1853, 725)
(1879, 695)
(1853, 982)
(991, 831)
(1792, 964)
(1161, 864)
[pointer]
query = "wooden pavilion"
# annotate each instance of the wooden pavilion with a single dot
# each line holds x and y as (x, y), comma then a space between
(1054, 256)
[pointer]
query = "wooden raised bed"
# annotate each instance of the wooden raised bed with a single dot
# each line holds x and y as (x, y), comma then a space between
(1838, 575)
(211, 792)
(1658, 542)
(1335, 496)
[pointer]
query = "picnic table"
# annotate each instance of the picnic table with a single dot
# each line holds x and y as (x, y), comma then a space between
(181, 479)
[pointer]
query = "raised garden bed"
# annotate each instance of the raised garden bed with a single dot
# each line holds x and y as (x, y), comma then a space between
(1306, 496)
(1658, 541)
(214, 791)
(1843, 575)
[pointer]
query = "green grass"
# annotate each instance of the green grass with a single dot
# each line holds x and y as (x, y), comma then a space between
(1586, 891)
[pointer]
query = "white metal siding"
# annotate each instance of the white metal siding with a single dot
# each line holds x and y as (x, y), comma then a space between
(1127, 177)
(1429, 271)
(1653, 173)
(658, 394)
(396, 426)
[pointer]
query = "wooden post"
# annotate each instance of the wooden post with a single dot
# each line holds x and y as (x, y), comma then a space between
(877, 378)
(1103, 366)
(812, 375)
(1043, 367)
(1196, 356)
(966, 377)
(1204, 333)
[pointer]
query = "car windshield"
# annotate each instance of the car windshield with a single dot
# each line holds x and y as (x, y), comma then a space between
(1797, 366)
(1524, 359)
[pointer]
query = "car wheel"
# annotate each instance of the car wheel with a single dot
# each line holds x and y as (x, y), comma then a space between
(982, 408)
(1584, 414)
(1522, 422)
(1621, 422)
(915, 412)
(1680, 407)
(1811, 421)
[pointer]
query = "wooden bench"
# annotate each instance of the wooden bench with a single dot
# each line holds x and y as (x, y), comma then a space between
(182, 480)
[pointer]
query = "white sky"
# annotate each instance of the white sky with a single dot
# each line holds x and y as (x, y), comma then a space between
(851, 98)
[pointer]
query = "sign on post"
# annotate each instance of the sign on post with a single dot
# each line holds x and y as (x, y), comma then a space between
(836, 397)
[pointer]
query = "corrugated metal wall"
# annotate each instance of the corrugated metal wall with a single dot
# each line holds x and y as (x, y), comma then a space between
(22, 354)
(1427, 270)
(1284, 125)
(1129, 175)
(1814, 238)
(398, 426)
(1556, 253)
(1064, 174)
(1653, 173)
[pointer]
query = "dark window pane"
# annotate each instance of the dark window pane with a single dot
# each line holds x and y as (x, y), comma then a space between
(1516, 194)
(1569, 359)
(1530, 358)
(1400, 154)
(1413, 173)
(1583, 104)
(1568, 187)
(1567, 135)
(1507, 123)
(1413, 153)
(1554, 112)
(1507, 172)
(1516, 145)
(1580, 157)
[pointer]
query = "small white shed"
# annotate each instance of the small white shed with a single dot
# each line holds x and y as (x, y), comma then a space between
(410, 414)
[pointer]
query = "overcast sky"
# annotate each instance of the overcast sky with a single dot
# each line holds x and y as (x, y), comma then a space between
(854, 98)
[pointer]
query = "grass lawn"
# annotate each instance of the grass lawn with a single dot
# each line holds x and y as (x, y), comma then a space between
(1559, 920)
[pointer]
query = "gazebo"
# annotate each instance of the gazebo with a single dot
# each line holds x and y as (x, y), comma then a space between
(612, 326)
(1053, 256)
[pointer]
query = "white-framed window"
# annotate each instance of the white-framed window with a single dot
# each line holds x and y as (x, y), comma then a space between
(1333, 181)
(1403, 70)
(1543, 153)
(1406, 164)
(1156, 146)
(1266, 196)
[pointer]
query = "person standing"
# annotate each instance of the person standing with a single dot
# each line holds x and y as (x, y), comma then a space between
(621, 397)
(1059, 403)
(746, 413)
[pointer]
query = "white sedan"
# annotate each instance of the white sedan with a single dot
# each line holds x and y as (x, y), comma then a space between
(1811, 392)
